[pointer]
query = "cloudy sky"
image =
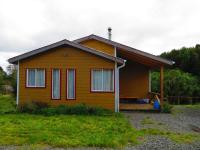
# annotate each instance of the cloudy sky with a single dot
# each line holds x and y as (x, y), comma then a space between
(153, 26)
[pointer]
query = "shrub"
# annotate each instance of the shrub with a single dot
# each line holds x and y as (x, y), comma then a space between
(167, 108)
(49, 111)
(34, 107)
(98, 111)
(79, 109)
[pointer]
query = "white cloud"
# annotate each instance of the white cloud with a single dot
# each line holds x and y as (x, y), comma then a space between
(153, 26)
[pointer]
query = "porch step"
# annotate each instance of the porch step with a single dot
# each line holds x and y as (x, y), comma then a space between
(135, 106)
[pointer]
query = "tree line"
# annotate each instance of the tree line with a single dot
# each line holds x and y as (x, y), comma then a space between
(183, 78)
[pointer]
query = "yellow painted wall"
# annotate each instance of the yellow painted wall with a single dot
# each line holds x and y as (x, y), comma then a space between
(134, 80)
(99, 46)
(65, 57)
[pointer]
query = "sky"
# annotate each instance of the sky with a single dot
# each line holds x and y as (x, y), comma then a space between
(152, 26)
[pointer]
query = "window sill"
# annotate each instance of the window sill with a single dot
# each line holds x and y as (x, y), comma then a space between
(102, 91)
(35, 86)
(55, 99)
(71, 99)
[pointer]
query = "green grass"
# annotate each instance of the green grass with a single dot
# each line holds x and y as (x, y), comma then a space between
(177, 109)
(77, 131)
(7, 104)
(39, 131)
(196, 106)
(33, 131)
(64, 130)
(176, 137)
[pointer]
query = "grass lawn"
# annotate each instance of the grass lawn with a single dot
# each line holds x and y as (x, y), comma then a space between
(73, 130)
(61, 130)
(7, 104)
(64, 130)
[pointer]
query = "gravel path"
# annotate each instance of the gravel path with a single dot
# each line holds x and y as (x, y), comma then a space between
(162, 143)
(181, 121)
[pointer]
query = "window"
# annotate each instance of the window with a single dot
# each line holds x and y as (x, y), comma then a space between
(71, 81)
(102, 80)
(35, 78)
(56, 85)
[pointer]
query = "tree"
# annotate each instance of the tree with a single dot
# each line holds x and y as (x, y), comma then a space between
(176, 83)
(11, 77)
(2, 80)
(186, 59)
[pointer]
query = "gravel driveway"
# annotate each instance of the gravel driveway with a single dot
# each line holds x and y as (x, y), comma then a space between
(184, 120)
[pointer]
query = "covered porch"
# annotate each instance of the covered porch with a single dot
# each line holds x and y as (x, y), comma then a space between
(135, 82)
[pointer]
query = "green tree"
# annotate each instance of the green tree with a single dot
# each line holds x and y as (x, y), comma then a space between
(2, 80)
(186, 59)
(11, 78)
(176, 83)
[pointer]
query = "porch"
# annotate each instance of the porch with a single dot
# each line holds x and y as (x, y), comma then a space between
(135, 82)
(136, 103)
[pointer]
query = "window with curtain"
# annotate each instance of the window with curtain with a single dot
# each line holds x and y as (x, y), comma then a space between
(35, 78)
(102, 80)
(56, 84)
(71, 83)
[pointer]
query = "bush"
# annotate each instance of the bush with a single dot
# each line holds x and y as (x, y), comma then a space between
(34, 107)
(79, 109)
(167, 108)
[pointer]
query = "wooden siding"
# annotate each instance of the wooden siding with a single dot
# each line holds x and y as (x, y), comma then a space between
(63, 58)
(134, 80)
(99, 46)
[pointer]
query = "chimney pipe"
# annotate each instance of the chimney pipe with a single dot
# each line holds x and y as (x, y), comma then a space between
(109, 33)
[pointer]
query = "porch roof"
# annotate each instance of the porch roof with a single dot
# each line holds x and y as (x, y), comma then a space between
(130, 53)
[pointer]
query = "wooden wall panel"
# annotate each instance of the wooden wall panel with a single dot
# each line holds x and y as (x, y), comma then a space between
(134, 80)
(99, 46)
(66, 57)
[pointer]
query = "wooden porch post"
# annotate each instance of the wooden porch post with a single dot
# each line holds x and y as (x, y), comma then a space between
(161, 85)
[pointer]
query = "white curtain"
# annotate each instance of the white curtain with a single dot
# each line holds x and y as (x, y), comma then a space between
(71, 84)
(56, 84)
(97, 83)
(40, 79)
(107, 80)
(31, 77)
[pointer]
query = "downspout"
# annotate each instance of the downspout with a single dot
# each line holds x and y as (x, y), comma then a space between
(17, 99)
(115, 54)
(117, 81)
(117, 86)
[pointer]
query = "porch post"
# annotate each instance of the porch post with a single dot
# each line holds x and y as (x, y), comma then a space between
(161, 85)
(149, 80)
